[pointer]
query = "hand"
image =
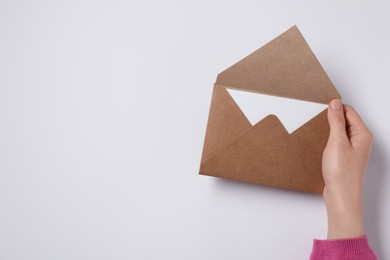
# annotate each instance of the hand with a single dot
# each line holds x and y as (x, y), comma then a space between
(344, 164)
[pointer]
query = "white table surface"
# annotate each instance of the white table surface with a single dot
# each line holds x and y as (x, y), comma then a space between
(103, 111)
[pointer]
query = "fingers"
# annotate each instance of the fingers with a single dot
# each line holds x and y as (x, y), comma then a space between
(336, 121)
(355, 125)
(353, 119)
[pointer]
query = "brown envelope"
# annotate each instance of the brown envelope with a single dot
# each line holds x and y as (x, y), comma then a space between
(266, 153)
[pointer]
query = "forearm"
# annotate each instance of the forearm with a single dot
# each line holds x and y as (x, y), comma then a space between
(345, 219)
(346, 235)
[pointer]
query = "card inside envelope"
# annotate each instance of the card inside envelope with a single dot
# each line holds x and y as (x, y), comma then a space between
(292, 113)
(265, 152)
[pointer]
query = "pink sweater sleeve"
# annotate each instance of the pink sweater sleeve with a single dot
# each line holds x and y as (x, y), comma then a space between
(346, 249)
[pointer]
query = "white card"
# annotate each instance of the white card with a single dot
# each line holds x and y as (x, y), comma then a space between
(292, 113)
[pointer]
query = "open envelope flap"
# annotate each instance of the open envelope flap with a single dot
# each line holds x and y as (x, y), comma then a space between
(226, 122)
(284, 67)
(267, 154)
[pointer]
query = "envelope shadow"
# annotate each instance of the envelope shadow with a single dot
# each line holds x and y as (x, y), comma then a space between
(226, 185)
(374, 200)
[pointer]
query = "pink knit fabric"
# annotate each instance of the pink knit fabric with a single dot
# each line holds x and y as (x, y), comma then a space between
(342, 249)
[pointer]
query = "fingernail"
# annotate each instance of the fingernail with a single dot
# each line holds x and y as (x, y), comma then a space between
(336, 104)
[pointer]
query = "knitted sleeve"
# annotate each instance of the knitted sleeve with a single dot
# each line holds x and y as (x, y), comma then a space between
(346, 249)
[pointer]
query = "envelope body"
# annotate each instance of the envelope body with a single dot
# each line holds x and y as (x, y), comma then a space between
(265, 153)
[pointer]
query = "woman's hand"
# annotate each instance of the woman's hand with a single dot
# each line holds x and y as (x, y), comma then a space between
(344, 164)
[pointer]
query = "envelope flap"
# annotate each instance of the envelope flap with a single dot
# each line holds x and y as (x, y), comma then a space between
(267, 154)
(226, 122)
(284, 67)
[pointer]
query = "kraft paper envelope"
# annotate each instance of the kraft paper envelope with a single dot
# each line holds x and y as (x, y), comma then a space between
(265, 153)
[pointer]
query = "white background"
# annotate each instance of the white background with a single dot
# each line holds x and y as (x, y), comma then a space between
(103, 111)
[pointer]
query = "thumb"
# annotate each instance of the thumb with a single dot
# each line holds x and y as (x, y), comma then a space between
(336, 121)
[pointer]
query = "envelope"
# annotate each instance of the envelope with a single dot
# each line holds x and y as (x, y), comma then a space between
(265, 153)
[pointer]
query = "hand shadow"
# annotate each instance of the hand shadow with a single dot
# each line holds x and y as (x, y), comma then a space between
(374, 200)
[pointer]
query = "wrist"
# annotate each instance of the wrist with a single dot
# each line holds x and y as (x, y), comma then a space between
(342, 201)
